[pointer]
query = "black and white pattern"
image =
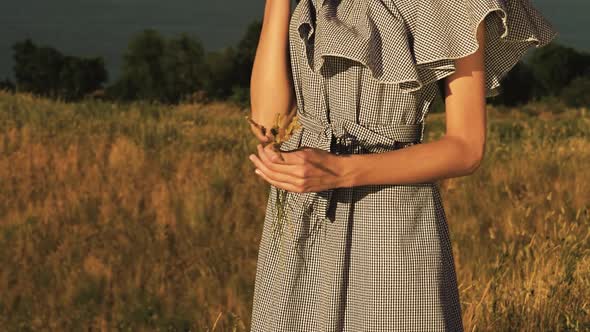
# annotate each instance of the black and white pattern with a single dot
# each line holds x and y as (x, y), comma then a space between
(376, 257)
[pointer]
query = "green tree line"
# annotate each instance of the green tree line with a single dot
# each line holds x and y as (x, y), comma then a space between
(172, 70)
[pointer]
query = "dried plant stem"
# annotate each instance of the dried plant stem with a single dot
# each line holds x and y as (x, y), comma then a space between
(280, 133)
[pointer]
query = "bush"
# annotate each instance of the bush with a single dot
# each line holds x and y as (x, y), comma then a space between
(517, 87)
(240, 96)
(47, 72)
(555, 66)
(7, 85)
(160, 70)
(577, 93)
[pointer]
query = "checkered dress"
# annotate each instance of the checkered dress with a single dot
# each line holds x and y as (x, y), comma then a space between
(375, 257)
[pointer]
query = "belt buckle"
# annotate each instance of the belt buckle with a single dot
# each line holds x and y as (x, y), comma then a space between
(344, 143)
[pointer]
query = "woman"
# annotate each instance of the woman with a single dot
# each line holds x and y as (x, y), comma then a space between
(370, 248)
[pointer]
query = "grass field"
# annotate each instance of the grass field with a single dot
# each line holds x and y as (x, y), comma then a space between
(147, 218)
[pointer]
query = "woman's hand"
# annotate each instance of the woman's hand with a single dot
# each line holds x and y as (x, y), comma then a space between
(262, 138)
(304, 170)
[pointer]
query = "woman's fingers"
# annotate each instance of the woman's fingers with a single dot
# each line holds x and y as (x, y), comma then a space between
(305, 171)
(274, 155)
(258, 134)
(284, 157)
(277, 172)
(282, 164)
(262, 138)
(270, 174)
(278, 184)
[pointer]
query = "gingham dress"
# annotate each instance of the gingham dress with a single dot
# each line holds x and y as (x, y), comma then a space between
(375, 257)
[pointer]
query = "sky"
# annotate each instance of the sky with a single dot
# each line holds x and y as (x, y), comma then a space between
(104, 27)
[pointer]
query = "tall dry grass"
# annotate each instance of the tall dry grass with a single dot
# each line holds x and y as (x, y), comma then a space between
(142, 217)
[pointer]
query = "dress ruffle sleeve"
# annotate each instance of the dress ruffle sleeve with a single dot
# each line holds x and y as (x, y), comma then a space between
(414, 43)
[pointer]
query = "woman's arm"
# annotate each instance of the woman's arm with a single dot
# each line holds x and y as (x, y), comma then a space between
(271, 87)
(459, 152)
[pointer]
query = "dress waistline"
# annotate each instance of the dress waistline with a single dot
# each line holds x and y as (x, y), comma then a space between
(346, 136)
(352, 136)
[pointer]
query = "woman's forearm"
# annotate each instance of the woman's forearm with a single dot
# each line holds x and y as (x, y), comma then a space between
(271, 88)
(427, 162)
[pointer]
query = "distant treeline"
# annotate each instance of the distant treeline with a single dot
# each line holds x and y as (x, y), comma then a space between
(172, 70)
(167, 70)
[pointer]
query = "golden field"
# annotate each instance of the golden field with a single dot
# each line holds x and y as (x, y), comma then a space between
(143, 217)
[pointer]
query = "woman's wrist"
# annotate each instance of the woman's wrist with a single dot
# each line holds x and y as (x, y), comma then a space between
(349, 170)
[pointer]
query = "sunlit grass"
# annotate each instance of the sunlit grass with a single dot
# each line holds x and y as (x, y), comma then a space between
(143, 217)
